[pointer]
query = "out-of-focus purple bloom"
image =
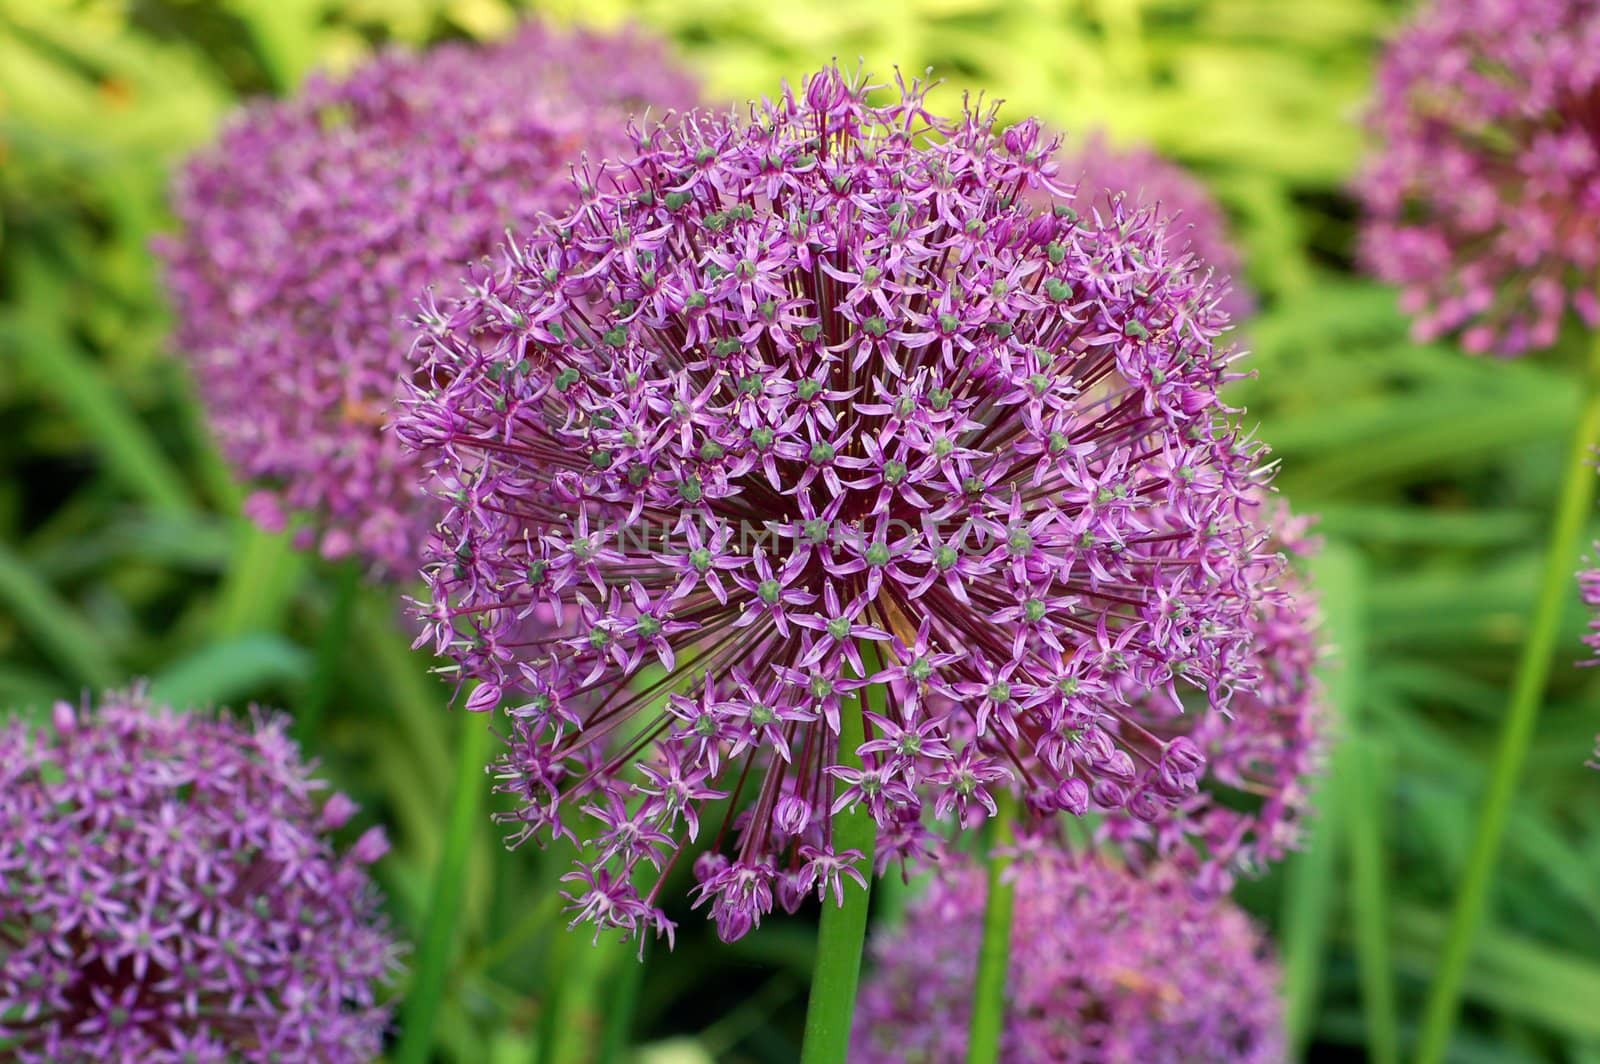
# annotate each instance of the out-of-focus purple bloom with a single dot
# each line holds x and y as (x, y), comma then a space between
(815, 407)
(170, 895)
(309, 229)
(1195, 222)
(1257, 764)
(1107, 967)
(1589, 587)
(1484, 193)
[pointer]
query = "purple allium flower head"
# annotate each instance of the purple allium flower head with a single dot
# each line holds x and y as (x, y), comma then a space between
(1255, 765)
(1107, 967)
(1195, 221)
(170, 895)
(1484, 194)
(813, 407)
(310, 227)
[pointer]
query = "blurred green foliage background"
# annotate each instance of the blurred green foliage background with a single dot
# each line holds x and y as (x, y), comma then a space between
(122, 553)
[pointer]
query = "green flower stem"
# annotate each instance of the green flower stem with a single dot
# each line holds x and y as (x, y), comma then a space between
(994, 954)
(431, 965)
(1533, 672)
(843, 931)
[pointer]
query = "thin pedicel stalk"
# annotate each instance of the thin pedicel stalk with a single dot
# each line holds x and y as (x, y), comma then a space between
(1533, 670)
(843, 931)
(432, 961)
(994, 954)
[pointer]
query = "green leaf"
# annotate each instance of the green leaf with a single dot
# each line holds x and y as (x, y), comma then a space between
(262, 581)
(29, 692)
(285, 34)
(1510, 973)
(59, 630)
(71, 377)
(1339, 575)
(433, 962)
(220, 672)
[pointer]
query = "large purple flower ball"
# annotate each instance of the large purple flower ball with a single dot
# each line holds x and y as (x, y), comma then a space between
(1106, 967)
(1484, 192)
(170, 894)
(308, 230)
(1195, 222)
(811, 408)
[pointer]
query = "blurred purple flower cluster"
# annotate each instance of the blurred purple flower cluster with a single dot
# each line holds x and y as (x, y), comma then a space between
(1106, 967)
(1589, 586)
(1261, 758)
(815, 407)
(170, 895)
(310, 228)
(1104, 172)
(1484, 193)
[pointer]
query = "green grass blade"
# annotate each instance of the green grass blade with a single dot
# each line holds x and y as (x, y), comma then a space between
(416, 698)
(331, 645)
(258, 587)
(71, 377)
(436, 949)
(1340, 578)
(564, 946)
(1511, 974)
(1363, 797)
(60, 632)
(219, 672)
(285, 35)
(620, 1010)
(1309, 897)
(29, 692)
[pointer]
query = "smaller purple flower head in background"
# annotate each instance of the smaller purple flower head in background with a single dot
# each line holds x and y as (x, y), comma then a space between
(1107, 967)
(1104, 172)
(1483, 193)
(1589, 588)
(309, 228)
(171, 895)
(1256, 764)
(816, 406)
